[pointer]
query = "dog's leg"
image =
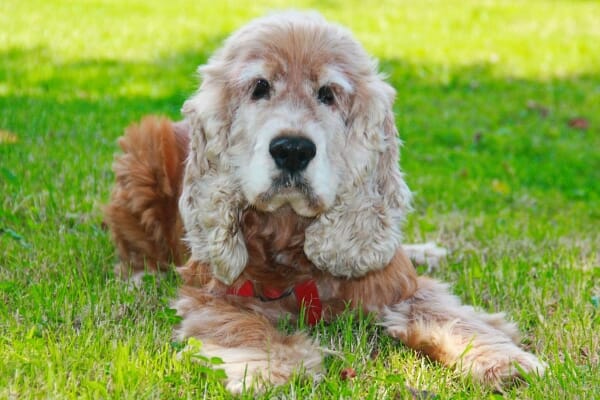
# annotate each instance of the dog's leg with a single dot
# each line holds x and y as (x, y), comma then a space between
(253, 351)
(483, 345)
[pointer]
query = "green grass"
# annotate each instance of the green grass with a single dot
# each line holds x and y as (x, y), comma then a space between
(486, 91)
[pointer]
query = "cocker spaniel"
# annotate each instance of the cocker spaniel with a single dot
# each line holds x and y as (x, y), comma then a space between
(280, 194)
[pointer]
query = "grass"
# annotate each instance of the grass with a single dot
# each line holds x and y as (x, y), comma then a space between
(499, 109)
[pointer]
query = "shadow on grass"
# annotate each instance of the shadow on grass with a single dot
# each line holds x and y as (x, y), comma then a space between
(36, 78)
(466, 129)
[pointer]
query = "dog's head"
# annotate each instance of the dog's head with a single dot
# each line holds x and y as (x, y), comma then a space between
(292, 112)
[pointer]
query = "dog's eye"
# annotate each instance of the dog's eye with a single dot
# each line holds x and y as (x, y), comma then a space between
(325, 95)
(261, 90)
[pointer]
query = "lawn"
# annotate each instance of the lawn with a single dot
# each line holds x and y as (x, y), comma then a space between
(499, 110)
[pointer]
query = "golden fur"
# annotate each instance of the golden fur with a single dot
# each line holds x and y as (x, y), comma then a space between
(239, 227)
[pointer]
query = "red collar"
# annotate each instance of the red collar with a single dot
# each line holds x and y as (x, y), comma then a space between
(307, 297)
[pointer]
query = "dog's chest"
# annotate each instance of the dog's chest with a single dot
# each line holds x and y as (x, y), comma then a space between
(275, 244)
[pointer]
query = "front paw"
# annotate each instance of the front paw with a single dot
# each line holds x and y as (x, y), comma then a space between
(256, 368)
(503, 368)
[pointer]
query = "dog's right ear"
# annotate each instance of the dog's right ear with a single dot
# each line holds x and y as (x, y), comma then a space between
(207, 112)
(210, 202)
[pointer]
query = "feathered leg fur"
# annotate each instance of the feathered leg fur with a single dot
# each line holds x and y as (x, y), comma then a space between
(253, 351)
(482, 345)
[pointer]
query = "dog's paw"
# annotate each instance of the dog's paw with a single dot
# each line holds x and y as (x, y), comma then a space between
(428, 254)
(502, 369)
(256, 369)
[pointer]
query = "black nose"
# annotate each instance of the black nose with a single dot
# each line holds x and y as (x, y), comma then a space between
(292, 153)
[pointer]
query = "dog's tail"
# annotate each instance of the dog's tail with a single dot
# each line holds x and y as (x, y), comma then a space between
(143, 214)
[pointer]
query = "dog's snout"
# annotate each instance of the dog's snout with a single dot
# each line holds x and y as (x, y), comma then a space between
(292, 153)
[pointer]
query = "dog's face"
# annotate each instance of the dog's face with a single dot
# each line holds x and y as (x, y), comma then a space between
(289, 128)
(292, 111)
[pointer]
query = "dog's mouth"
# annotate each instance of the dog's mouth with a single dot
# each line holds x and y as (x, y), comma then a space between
(293, 190)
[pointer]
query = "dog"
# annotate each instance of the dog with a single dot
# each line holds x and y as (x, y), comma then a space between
(279, 195)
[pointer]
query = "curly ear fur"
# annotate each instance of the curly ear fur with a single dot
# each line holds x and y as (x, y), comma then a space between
(211, 202)
(361, 232)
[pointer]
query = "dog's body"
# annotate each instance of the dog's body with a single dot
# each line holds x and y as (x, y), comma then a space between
(291, 200)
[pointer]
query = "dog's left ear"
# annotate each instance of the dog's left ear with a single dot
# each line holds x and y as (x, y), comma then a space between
(361, 232)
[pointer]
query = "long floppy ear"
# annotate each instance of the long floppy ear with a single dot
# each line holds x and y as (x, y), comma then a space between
(211, 202)
(361, 232)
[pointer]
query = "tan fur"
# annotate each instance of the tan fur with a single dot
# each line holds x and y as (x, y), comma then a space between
(342, 231)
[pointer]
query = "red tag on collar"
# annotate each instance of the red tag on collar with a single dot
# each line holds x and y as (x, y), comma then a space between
(307, 296)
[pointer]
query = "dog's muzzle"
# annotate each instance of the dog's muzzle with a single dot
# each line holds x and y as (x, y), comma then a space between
(292, 155)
